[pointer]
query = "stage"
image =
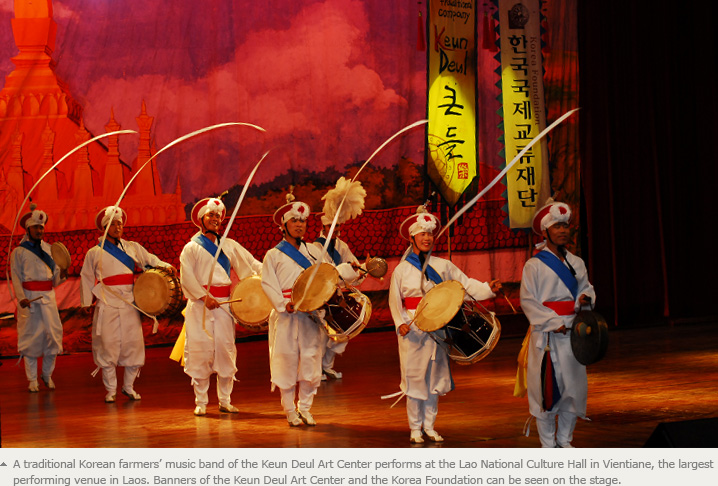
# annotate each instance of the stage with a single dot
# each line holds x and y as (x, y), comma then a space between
(649, 375)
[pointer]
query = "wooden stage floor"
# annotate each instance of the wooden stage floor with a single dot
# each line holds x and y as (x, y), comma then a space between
(650, 375)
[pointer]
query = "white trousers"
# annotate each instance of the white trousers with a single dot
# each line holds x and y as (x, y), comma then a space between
(48, 366)
(109, 378)
(550, 435)
(224, 390)
(306, 397)
(422, 413)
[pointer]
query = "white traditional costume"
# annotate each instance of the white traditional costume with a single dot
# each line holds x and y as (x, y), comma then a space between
(549, 304)
(350, 196)
(210, 334)
(34, 276)
(108, 275)
(425, 371)
(294, 338)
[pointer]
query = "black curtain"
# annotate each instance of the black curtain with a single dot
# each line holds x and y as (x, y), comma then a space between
(649, 165)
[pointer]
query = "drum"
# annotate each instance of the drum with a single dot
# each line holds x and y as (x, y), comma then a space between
(469, 330)
(61, 255)
(250, 306)
(158, 292)
(346, 314)
(314, 287)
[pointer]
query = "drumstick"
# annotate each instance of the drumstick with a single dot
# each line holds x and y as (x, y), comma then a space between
(33, 300)
(238, 299)
(507, 300)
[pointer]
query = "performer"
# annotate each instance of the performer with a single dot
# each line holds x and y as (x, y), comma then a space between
(425, 371)
(339, 253)
(108, 274)
(294, 338)
(210, 344)
(34, 274)
(554, 286)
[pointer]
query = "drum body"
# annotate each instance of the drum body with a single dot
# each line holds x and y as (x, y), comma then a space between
(158, 292)
(467, 328)
(471, 334)
(346, 314)
(253, 310)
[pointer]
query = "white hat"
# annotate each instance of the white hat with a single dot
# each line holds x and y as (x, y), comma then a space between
(421, 222)
(109, 214)
(550, 214)
(35, 217)
(207, 205)
(293, 209)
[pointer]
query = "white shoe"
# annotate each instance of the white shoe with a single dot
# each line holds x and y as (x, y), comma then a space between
(294, 419)
(228, 408)
(131, 394)
(200, 410)
(564, 445)
(433, 435)
(48, 382)
(110, 397)
(324, 377)
(337, 375)
(307, 418)
(416, 437)
(33, 387)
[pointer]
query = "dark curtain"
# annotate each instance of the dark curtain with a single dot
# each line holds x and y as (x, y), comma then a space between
(648, 133)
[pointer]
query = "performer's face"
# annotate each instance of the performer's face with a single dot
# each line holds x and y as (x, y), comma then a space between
(212, 221)
(559, 234)
(36, 232)
(115, 230)
(337, 230)
(423, 242)
(296, 227)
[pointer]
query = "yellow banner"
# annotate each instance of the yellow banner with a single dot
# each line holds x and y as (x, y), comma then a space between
(527, 182)
(451, 104)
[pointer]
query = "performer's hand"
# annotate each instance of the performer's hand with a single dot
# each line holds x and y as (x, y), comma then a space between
(495, 285)
(210, 302)
(584, 300)
(24, 303)
(404, 329)
(63, 273)
(289, 307)
(562, 330)
(173, 271)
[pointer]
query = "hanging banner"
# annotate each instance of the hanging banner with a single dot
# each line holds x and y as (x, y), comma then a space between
(451, 104)
(527, 183)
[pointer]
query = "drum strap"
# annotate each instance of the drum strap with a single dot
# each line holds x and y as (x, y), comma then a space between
(553, 262)
(336, 257)
(36, 249)
(120, 254)
(38, 285)
(285, 247)
(433, 275)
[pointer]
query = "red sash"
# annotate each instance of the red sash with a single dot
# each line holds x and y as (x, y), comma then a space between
(561, 307)
(219, 291)
(121, 279)
(287, 294)
(38, 285)
(411, 303)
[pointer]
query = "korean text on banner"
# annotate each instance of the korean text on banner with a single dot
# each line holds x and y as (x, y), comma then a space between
(451, 104)
(527, 182)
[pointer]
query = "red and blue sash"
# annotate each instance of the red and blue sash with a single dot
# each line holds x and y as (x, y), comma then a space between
(36, 249)
(553, 262)
(336, 257)
(433, 275)
(211, 248)
(120, 255)
(285, 247)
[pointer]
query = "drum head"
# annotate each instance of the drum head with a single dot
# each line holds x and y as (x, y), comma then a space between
(589, 337)
(151, 291)
(439, 306)
(60, 255)
(323, 286)
(255, 306)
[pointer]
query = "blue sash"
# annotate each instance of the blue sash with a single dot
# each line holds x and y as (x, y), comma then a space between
(209, 245)
(561, 270)
(285, 247)
(336, 257)
(40, 253)
(413, 258)
(118, 253)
